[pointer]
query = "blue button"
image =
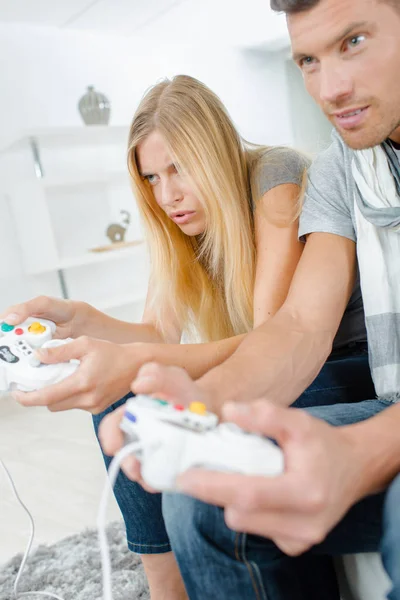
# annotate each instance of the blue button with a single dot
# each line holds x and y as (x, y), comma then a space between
(130, 417)
(6, 328)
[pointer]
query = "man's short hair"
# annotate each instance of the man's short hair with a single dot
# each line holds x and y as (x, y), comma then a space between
(297, 6)
(293, 6)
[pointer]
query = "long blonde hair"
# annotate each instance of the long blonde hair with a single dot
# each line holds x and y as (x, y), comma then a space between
(207, 280)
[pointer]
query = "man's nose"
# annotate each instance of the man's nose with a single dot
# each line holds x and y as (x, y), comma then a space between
(335, 84)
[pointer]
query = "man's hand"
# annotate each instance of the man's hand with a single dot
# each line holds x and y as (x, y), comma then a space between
(103, 377)
(169, 383)
(297, 509)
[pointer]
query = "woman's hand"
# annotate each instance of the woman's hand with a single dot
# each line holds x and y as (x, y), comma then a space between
(103, 376)
(66, 314)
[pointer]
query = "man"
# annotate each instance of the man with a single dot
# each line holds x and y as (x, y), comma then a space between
(330, 498)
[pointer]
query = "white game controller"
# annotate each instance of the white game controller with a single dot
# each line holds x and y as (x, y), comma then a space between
(20, 369)
(34, 331)
(175, 438)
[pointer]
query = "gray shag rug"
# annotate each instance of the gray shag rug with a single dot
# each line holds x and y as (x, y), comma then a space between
(71, 569)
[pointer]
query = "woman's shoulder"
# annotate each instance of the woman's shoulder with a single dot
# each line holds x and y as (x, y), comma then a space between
(280, 165)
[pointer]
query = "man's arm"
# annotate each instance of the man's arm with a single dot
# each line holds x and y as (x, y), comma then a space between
(376, 446)
(279, 359)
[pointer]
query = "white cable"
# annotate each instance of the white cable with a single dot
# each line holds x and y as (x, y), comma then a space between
(101, 526)
(112, 475)
(17, 594)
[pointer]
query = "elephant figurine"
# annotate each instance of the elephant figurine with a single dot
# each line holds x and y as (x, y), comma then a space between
(116, 231)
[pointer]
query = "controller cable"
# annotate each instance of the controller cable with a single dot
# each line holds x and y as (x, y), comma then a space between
(113, 471)
(111, 477)
(18, 594)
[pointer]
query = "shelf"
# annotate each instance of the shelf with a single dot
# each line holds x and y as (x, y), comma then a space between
(84, 135)
(93, 257)
(83, 179)
(117, 301)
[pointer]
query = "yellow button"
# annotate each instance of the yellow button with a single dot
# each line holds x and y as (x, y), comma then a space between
(198, 407)
(36, 328)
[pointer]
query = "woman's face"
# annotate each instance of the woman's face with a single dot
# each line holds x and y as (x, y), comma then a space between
(171, 190)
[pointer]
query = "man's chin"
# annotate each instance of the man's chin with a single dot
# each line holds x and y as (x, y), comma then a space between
(361, 140)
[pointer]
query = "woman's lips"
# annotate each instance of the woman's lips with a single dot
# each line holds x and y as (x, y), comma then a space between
(183, 217)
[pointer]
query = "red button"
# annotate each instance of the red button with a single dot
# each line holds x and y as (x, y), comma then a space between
(179, 407)
(19, 331)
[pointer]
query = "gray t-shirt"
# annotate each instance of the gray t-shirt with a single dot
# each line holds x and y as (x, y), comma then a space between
(329, 208)
(282, 165)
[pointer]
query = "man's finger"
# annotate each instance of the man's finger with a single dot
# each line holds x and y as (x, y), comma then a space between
(245, 492)
(289, 531)
(169, 383)
(277, 422)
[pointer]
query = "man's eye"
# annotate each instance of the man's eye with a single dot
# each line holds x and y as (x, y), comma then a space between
(355, 41)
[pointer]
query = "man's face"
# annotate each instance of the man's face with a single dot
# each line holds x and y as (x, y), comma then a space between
(349, 54)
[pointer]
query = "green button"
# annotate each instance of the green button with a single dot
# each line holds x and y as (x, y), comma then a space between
(6, 328)
(162, 402)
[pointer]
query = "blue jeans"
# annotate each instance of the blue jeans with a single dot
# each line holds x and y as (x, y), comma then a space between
(345, 378)
(217, 562)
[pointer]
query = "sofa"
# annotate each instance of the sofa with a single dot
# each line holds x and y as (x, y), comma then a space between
(362, 577)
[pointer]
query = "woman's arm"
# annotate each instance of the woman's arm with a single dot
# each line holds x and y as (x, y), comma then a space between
(76, 319)
(99, 325)
(278, 249)
(278, 252)
(93, 389)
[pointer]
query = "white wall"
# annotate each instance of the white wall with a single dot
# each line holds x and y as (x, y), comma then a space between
(43, 73)
(310, 128)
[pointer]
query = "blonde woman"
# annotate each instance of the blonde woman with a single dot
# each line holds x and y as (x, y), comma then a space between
(221, 223)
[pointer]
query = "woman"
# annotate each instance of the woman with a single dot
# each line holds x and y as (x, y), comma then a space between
(221, 223)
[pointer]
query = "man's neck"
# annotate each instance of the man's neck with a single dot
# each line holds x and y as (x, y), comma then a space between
(395, 138)
(396, 145)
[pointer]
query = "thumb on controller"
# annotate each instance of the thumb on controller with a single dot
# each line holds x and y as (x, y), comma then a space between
(63, 352)
(263, 417)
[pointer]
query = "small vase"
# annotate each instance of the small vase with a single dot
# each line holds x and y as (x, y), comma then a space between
(94, 107)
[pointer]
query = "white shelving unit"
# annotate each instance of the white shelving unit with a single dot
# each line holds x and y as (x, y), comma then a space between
(71, 136)
(61, 207)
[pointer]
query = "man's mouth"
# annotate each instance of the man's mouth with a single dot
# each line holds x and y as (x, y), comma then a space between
(350, 114)
(351, 118)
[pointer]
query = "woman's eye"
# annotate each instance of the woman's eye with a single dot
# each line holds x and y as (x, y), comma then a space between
(152, 179)
(307, 61)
